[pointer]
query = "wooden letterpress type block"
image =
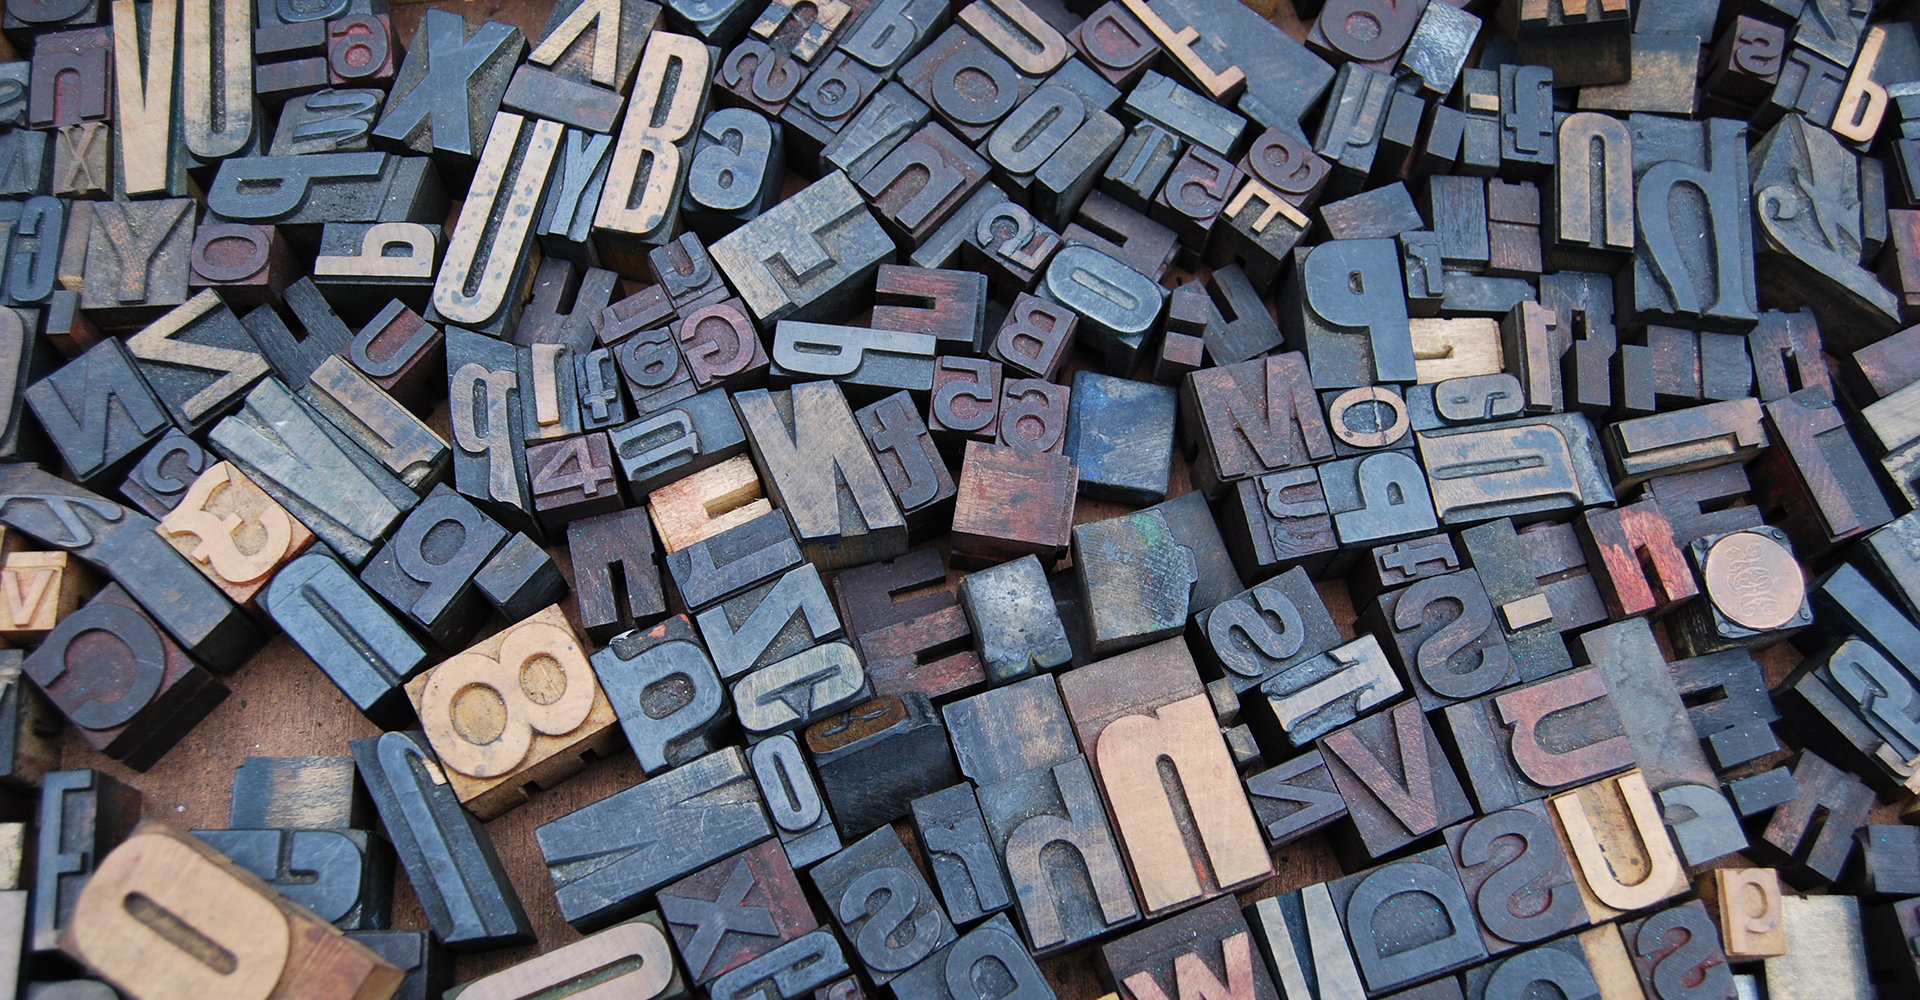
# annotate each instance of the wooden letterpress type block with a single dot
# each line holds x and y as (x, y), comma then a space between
(789, 972)
(1537, 739)
(435, 839)
(1145, 157)
(722, 348)
(1592, 225)
(1785, 349)
(987, 530)
(953, 834)
(1127, 236)
(448, 90)
(360, 50)
(869, 363)
(1744, 64)
(233, 532)
(1511, 866)
(353, 638)
(490, 455)
(1652, 714)
(1825, 952)
(1698, 504)
(1671, 281)
(889, 939)
(1337, 295)
(1140, 706)
(655, 373)
(1016, 626)
(1007, 731)
(1278, 520)
(222, 904)
(1887, 861)
(603, 402)
(794, 801)
(1394, 797)
(931, 655)
(735, 911)
(1115, 44)
(400, 441)
(1675, 949)
(345, 877)
(734, 560)
(770, 623)
(1120, 435)
(565, 227)
(290, 60)
(1197, 120)
(1377, 498)
(29, 751)
(889, 116)
(866, 594)
(1383, 212)
(1366, 419)
(992, 949)
(1242, 643)
(486, 266)
(1067, 177)
(1446, 654)
(1734, 715)
(1136, 579)
(706, 503)
(1561, 965)
(614, 52)
(1036, 339)
(342, 494)
(1389, 567)
(1796, 259)
(1746, 904)
(1185, 952)
(1513, 229)
(1027, 815)
(876, 757)
(1809, 85)
(572, 478)
(1457, 206)
(83, 816)
(971, 111)
(1685, 440)
(400, 352)
(610, 601)
(34, 251)
(728, 186)
(1014, 30)
(1817, 475)
(1294, 799)
(520, 579)
(566, 307)
(1632, 552)
(1400, 941)
(965, 404)
(1620, 852)
(797, 434)
(355, 258)
(426, 571)
(80, 56)
(1195, 192)
(137, 261)
(946, 173)
(634, 957)
(198, 359)
(1349, 133)
(1807, 858)
(822, 106)
(638, 209)
(1118, 306)
(1303, 938)
(148, 151)
(1662, 78)
(297, 793)
(157, 692)
(249, 265)
(296, 358)
(1033, 415)
(330, 121)
(554, 737)
(1010, 246)
(1241, 438)
(949, 305)
(825, 223)
(1179, 356)
(1323, 692)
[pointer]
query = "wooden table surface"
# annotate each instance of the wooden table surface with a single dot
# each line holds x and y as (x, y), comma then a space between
(282, 705)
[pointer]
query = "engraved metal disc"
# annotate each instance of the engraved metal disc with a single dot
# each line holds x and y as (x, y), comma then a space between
(1754, 581)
